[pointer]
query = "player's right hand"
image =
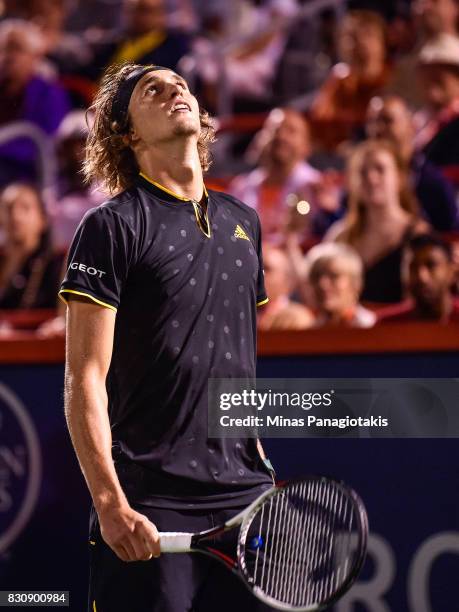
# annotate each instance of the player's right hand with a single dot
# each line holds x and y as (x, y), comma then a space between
(129, 534)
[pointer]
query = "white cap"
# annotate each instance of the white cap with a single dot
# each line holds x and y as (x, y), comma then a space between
(444, 49)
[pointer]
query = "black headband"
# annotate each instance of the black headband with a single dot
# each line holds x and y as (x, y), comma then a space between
(123, 94)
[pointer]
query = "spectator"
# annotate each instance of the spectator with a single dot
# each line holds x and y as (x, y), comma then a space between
(436, 17)
(29, 268)
(68, 52)
(284, 144)
(334, 274)
(81, 17)
(382, 215)
(430, 276)
(309, 53)
(389, 118)
(144, 38)
(26, 96)
(439, 71)
(243, 60)
(74, 196)
(281, 312)
(431, 18)
(340, 106)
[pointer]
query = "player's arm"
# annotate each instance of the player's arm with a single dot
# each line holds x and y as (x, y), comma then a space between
(90, 330)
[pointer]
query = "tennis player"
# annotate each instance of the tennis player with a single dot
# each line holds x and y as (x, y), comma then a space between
(162, 287)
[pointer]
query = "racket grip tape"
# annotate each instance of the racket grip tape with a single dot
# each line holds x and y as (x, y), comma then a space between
(175, 542)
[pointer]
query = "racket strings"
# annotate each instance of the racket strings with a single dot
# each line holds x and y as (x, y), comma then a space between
(304, 543)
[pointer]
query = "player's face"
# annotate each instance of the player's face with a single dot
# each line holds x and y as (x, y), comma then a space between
(334, 287)
(162, 108)
(430, 275)
(379, 179)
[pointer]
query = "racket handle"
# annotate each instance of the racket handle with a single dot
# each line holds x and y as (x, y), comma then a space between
(175, 542)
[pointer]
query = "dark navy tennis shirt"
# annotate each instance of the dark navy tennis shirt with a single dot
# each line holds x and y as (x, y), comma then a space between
(185, 286)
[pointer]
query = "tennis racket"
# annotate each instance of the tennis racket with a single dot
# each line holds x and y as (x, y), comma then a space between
(300, 545)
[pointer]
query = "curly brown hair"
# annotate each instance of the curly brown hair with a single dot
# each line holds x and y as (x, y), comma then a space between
(109, 160)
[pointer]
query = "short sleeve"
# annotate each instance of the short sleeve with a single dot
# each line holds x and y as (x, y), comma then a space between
(262, 298)
(99, 258)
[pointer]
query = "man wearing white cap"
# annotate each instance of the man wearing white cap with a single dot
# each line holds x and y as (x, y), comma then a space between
(439, 73)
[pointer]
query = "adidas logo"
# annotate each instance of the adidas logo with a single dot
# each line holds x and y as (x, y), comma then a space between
(240, 233)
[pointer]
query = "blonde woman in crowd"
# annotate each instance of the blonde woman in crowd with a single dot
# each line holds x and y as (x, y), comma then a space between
(382, 216)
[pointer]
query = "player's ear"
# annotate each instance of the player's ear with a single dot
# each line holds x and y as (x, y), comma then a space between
(126, 138)
(126, 134)
(131, 138)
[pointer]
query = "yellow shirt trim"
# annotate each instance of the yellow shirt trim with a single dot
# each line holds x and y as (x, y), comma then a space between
(262, 302)
(86, 295)
(172, 193)
(198, 221)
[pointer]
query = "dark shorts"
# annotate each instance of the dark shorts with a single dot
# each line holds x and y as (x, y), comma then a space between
(171, 583)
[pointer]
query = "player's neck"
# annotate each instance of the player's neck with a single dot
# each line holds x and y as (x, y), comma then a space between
(176, 166)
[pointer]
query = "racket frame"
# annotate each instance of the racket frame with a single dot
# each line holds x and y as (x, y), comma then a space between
(198, 542)
(359, 557)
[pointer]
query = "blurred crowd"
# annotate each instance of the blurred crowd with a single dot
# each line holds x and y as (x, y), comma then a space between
(337, 121)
